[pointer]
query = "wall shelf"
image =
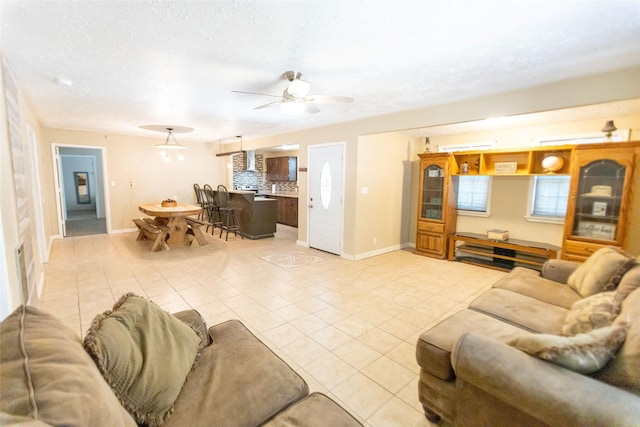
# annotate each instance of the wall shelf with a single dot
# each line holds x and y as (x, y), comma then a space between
(528, 162)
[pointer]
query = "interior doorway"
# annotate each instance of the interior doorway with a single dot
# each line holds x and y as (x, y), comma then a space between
(326, 191)
(80, 191)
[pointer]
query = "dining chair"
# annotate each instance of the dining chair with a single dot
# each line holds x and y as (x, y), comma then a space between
(228, 213)
(200, 199)
(213, 213)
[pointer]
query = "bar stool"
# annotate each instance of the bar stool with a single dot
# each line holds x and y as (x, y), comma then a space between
(228, 214)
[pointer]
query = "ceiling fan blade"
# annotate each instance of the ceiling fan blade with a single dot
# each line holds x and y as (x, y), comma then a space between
(256, 93)
(271, 104)
(328, 99)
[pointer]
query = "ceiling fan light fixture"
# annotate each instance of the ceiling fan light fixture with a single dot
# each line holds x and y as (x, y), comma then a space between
(292, 107)
(299, 88)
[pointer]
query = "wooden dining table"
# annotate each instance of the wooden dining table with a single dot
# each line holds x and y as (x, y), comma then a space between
(174, 217)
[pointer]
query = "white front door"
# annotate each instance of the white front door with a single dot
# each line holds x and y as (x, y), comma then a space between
(326, 187)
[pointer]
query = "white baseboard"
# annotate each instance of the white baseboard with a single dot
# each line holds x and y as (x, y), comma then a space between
(123, 230)
(380, 251)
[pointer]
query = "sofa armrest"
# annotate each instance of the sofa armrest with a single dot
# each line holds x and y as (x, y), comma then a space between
(194, 319)
(558, 270)
(542, 390)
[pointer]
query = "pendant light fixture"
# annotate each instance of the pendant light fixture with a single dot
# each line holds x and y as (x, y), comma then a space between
(608, 129)
(171, 143)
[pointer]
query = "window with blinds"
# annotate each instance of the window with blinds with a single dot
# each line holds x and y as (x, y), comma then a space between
(473, 190)
(473, 193)
(550, 196)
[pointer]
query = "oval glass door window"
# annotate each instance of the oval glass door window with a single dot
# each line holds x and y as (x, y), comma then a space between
(325, 185)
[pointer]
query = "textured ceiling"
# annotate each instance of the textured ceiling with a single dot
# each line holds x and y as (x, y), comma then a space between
(136, 63)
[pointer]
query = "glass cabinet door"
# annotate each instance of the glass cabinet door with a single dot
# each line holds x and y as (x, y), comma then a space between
(598, 200)
(432, 192)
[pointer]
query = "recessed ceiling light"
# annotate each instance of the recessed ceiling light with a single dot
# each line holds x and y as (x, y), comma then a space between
(64, 82)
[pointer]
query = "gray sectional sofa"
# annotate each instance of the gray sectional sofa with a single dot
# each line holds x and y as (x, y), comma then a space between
(557, 348)
(139, 365)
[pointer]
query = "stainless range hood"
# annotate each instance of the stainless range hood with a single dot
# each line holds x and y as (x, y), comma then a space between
(250, 160)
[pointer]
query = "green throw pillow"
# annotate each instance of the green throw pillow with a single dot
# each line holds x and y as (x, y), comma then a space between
(145, 354)
(584, 353)
(600, 272)
(591, 313)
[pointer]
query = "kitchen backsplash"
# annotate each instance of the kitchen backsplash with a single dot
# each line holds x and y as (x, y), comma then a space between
(256, 179)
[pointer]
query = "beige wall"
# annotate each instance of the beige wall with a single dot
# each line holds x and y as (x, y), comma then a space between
(139, 172)
(384, 210)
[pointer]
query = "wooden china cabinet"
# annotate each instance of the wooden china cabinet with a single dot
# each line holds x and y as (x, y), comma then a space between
(599, 207)
(436, 205)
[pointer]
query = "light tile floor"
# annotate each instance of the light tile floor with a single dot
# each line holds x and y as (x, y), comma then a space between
(349, 328)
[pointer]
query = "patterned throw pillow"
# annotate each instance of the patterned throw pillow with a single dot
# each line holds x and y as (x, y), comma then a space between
(602, 271)
(591, 313)
(145, 354)
(583, 353)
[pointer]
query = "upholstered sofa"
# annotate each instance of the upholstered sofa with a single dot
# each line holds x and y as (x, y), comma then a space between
(556, 348)
(139, 365)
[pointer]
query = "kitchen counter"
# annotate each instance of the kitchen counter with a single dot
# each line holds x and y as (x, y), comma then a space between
(257, 214)
(287, 206)
(291, 194)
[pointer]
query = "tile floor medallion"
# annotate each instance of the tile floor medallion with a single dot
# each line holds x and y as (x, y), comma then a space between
(292, 259)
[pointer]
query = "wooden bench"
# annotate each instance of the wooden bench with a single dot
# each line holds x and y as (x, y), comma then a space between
(151, 230)
(194, 229)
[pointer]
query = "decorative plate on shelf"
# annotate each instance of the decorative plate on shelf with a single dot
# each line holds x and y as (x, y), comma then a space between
(552, 163)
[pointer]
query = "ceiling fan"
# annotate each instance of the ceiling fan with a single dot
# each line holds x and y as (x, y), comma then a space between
(295, 98)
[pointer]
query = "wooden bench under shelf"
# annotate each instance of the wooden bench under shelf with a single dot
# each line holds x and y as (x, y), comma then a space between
(499, 255)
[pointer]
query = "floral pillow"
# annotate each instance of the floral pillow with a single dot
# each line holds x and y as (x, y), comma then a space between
(591, 313)
(583, 353)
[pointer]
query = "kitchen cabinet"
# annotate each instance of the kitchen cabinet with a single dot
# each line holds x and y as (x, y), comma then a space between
(599, 205)
(287, 213)
(282, 168)
(436, 205)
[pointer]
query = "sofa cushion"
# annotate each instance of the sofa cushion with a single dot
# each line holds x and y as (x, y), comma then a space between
(629, 282)
(17, 420)
(601, 271)
(145, 354)
(316, 410)
(237, 381)
(584, 353)
(593, 312)
(433, 350)
(521, 310)
(46, 374)
(529, 282)
(624, 369)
